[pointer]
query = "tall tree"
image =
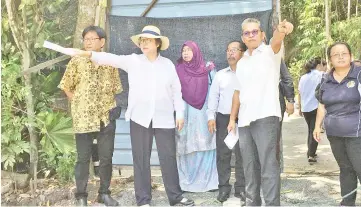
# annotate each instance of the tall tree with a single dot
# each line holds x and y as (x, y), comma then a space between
(24, 38)
(348, 9)
(276, 12)
(327, 19)
(87, 10)
(327, 24)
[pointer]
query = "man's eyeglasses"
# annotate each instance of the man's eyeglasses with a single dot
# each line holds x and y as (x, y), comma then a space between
(234, 50)
(340, 54)
(90, 39)
(253, 32)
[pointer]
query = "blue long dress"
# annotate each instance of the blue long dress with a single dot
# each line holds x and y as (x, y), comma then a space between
(196, 150)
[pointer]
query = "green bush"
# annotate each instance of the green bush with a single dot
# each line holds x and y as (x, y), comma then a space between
(65, 169)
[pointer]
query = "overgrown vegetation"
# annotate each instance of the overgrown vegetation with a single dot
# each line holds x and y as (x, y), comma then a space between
(35, 21)
(309, 37)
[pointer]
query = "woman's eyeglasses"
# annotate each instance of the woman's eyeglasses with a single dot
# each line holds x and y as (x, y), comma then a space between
(145, 41)
(340, 55)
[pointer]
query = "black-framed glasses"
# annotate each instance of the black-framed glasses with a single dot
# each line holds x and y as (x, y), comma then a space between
(253, 32)
(91, 39)
(233, 50)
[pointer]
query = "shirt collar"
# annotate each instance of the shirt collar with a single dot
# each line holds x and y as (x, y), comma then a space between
(259, 49)
(146, 59)
(229, 69)
(316, 71)
(352, 74)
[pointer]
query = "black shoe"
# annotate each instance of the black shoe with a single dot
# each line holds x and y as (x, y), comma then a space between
(81, 202)
(185, 202)
(222, 196)
(107, 200)
(312, 160)
(241, 195)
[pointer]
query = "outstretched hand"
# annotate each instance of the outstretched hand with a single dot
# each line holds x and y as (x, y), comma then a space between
(285, 27)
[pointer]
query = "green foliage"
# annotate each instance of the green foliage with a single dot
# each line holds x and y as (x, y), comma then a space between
(42, 19)
(13, 143)
(350, 32)
(56, 132)
(57, 144)
(309, 37)
(65, 169)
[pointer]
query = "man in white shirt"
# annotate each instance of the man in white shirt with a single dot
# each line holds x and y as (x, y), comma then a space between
(256, 102)
(219, 109)
(154, 95)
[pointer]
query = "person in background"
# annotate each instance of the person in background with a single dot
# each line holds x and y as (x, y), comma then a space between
(339, 96)
(91, 90)
(308, 102)
(219, 109)
(196, 146)
(154, 96)
(322, 67)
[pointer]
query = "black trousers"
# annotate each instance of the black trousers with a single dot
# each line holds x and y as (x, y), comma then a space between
(84, 143)
(347, 152)
(224, 155)
(258, 144)
(312, 144)
(142, 141)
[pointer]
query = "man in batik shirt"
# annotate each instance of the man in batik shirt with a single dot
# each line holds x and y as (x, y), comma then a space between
(91, 89)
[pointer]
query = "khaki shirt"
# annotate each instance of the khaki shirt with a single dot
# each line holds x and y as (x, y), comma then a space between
(94, 89)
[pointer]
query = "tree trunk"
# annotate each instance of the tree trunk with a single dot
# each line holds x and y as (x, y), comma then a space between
(348, 9)
(327, 19)
(275, 13)
(327, 22)
(26, 63)
(357, 7)
(106, 24)
(86, 17)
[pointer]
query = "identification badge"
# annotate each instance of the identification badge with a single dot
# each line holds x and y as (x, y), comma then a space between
(351, 84)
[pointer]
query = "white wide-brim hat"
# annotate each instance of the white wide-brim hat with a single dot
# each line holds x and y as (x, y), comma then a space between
(151, 31)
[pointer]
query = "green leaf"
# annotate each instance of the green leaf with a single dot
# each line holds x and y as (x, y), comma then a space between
(21, 6)
(51, 82)
(58, 131)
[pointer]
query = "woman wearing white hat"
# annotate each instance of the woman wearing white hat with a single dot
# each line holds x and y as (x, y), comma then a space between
(154, 95)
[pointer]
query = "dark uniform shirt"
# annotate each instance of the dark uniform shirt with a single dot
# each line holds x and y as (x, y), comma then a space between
(343, 103)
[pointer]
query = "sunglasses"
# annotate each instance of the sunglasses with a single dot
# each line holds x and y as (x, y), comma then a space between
(253, 32)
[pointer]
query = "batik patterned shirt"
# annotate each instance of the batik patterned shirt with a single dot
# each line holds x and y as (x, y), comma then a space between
(93, 88)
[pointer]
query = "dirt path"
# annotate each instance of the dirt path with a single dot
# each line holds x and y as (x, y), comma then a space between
(295, 149)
